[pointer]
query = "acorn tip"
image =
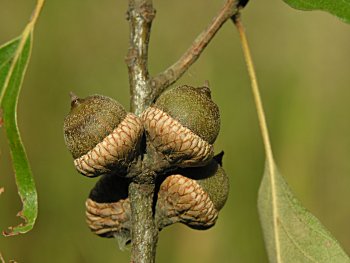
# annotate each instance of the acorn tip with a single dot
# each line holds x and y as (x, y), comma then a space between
(74, 99)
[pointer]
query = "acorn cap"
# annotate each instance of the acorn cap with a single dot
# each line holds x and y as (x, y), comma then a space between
(182, 125)
(108, 219)
(181, 199)
(101, 135)
(214, 181)
(194, 202)
(108, 209)
(193, 197)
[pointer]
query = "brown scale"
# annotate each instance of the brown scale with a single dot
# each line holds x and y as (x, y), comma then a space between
(114, 150)
(180, 199)
(179, 144)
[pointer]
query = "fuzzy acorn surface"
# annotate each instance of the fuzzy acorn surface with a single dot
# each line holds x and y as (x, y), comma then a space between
(90, 120)
(182, 126)
(101, 135)
(217, 186)
(193, 108)
(193, 197)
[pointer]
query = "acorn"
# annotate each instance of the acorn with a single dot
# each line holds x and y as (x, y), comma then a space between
(193, 197)
(108, 212)
(182, 125)
(101, 135)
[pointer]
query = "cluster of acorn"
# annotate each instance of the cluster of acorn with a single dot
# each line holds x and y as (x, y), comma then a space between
(179, 129)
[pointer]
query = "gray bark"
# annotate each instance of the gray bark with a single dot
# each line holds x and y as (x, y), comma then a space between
(144, 89)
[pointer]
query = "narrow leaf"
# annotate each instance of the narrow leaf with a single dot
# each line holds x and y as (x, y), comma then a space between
(7, 54)
(339, 8)
(292, 234)
(14, 60)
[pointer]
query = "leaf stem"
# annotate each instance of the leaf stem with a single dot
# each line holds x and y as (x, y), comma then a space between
(36, 13)
(263, 126)
(255, 88)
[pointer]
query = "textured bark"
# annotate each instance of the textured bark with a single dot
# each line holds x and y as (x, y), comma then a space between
(140, 16)
(144, 90)
(144, 233)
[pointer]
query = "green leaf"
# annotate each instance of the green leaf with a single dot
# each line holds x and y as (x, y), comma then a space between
(339, 8)
(14, 58)
(7, 53)
(291, 233)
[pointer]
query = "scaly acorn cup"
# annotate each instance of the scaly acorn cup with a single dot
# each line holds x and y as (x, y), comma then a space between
(108, 209)
(101, 135)
(193, 197)
(182, 125)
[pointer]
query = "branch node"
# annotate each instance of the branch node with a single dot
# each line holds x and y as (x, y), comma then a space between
(147, 12)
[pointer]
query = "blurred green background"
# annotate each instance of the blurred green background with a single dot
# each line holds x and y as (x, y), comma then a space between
(302, 61)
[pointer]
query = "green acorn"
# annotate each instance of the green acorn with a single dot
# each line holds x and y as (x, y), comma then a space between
(193, 196)
(101, 135)
(183, 124)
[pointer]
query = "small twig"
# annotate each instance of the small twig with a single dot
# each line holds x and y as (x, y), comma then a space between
(144, 90)
(140, 16)
(144, 233)
(163, 80)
